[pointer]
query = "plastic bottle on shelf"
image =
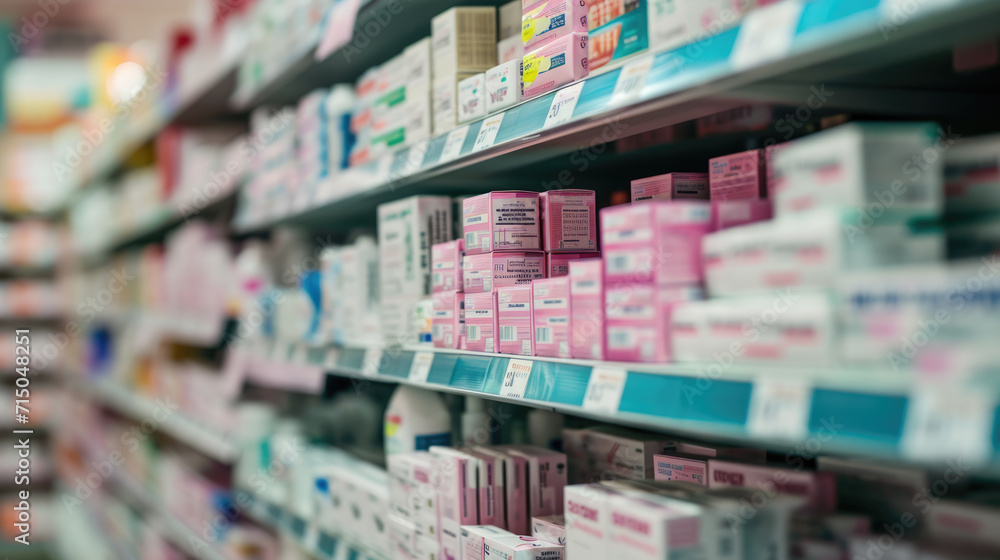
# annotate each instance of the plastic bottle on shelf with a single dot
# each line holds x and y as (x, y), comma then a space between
(415, 420)
(475, 422)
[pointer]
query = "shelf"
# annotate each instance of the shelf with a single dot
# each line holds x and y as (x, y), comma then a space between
(848, 410)
(840, 42)
(317, 542)
(185, 430)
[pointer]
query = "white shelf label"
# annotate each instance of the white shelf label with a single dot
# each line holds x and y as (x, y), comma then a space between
(421, 367)
(563, 105)
(779, 409)
(453, 144)
(370, 363)
(944, 424)
(766, 34)
(631, 80)
(515, 379)
(488, 132)
(604, 390)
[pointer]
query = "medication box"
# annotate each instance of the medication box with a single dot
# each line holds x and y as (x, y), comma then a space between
(464, 40)
(492, 488)
(444, 101)
(472, 98)
(645, 527)
(502, 221)
(638, 320)
(509, 49)
(503, 85)
(514, 320)
(407, 229)
(569, 220)
(555, 64)
(617, 30)
(546, 475)
(481, 321)
(672, 186)
(557, 264)
(551, 317)
(739, 212)
(446, 263)
(515, 488)
(621, 453)
(448, 323)
(510, 20)
(685, 469)
(521, 548)
(738, 176)
(972, 176)
(818, 488)
(588, 522)
(456, 478)
(586, 292)
(473, 537)
(548, 20)
(549, 529)
(487, 272)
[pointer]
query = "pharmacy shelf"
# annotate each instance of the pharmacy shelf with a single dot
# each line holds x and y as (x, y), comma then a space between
(317, 542)
(843, 42)
(172, 528)
(854, 411)
(185, 430)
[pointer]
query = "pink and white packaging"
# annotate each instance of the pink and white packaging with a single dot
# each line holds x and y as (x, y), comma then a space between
(492, 491)
(739, 212)
(588, 522)
(569, 220)
(637, 319)
(514, 320)
(672, 186)
(488, 272)
(549, 529)
(685, 469)
(818, 488)
(551, 317)
(519, 547)
(557, 264)
(481, 322)
(648, 527)
(515, 487)
(737, 176)
(546, 471)
(456, 479)
(586, 292)
(657, 241)
(503, 86)
(555, 64)
(446, 265)
(473, 537)
(448, 322)
(511, 48)
(548, 20)
(502, 221)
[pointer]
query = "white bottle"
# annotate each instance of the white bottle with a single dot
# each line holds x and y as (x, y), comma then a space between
(475, 422)
(415, 420)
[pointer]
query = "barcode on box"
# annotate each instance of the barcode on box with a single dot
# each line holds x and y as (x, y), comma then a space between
(472, 332)
(621, 263)
(620, 338)
(543, 335)
(508, 334)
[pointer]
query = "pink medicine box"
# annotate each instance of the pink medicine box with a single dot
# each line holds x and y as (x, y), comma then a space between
(737, 176)
(740, 212)
(551, 317)
(502, 221)
(569, 220)
(671, 186)
(486, 272)
(553, 65)
(655, 241)
(546, 21)
(638, 320)
(481, 322)
(685, 469)
(818, 488)
(446, 265)
(514, 320)
(557, 264)
(586, 292)
(448, 322)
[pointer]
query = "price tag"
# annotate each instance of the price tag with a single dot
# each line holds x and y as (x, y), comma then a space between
(604, 390)
(415, 159)
(453, 143)
(779, 409)
(515, 379)
(421, 367)
(488, 133)
(948, 424)
(371, 361)
(563, 105)
(631, 80)
(331, 360)
(766, 34)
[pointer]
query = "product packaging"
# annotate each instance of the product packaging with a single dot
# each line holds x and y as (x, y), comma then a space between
(546, 471)
(551, 317)
(621, 453)
(407, 229)
(492, 485)
(672, 186)
(555, 64)
(739, 212)
(515, 474)
(684, 469)
(520, 548)
(819, 489)
(464, 40)
(738, 176)
(481, 321)
(547, 20)
(448, 326)
(649, 527)
(514, 320)
(557, 264)
(569, 220)
(472, 98)
(588, 522)
(413, 497)
(586, 292)
(490, 271)
(473, 537)
(456, 478)
(972, 176)
(446, 265)
(673, 24)
(502, 221)
(510, 15)
(638, 318)
(549, 529)
(618, 30)
(503, 85)
(444, 101)
(511, 49)
(415, 420)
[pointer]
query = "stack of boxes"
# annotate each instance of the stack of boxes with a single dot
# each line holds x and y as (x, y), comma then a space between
(407, 229)
(464, 46)
(350, 313)
(448, 330)
(555, 45)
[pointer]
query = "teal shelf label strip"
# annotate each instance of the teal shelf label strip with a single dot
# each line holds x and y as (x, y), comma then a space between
(558, 383)
(327, 545)
(996, 432)
(351, 359)
(877, 419)
(687, 398)
(469, 373)
(396, 364)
